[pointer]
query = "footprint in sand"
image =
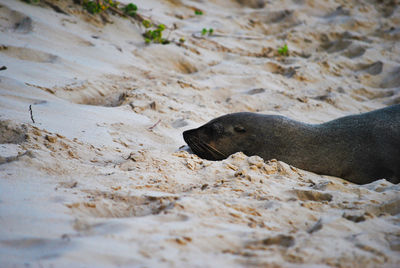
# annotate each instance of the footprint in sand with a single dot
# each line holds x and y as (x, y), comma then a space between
(28, 54)
(115, 205)
(374, 68)
(15, 21)
(36, 248)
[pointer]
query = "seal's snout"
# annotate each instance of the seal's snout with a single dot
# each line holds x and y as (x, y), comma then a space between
(187, 134)
(191, 138)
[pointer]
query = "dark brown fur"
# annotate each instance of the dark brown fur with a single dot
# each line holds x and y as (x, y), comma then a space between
(360, 148)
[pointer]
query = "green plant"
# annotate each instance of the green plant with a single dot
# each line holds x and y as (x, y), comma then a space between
(96, 6)
(130, 9)
(283, 51)
(147, 23)
(198, 12)
(205, 31)
(92, 6)
(112, 3)
(31, 1)
(155, 34)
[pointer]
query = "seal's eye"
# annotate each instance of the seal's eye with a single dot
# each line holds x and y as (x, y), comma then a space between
(239, 128)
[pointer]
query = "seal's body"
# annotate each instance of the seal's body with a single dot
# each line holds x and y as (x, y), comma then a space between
(360, 148)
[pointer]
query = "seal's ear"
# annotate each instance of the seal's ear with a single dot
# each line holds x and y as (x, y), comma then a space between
(239, 128)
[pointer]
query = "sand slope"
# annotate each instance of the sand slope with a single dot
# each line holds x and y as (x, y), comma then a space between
(98, 179)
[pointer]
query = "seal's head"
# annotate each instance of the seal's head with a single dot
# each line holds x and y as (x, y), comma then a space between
(224, 136)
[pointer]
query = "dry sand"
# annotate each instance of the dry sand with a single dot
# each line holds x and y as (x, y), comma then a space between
(98, 179)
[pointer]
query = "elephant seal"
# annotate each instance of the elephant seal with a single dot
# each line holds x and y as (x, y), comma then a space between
(359, 148)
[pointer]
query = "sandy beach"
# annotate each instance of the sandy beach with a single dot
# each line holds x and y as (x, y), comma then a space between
(94, 171)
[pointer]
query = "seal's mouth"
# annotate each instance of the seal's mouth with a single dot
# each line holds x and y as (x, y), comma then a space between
(201, 148)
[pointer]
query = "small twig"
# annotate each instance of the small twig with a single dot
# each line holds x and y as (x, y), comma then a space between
(196, 35)
(116, 10)
(141, 18)
(317, 226)
(30, 110)
(137, 16)
(55, 7)
(153, 126)
(246, 37)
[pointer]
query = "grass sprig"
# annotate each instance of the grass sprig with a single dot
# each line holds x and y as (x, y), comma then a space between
(283, 51)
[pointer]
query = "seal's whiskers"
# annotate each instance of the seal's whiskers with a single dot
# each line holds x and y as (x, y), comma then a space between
(213, 150)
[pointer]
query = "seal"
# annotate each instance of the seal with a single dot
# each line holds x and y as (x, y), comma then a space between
(359, 148)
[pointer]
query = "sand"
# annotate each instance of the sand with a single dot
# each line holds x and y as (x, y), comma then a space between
(96, 175)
